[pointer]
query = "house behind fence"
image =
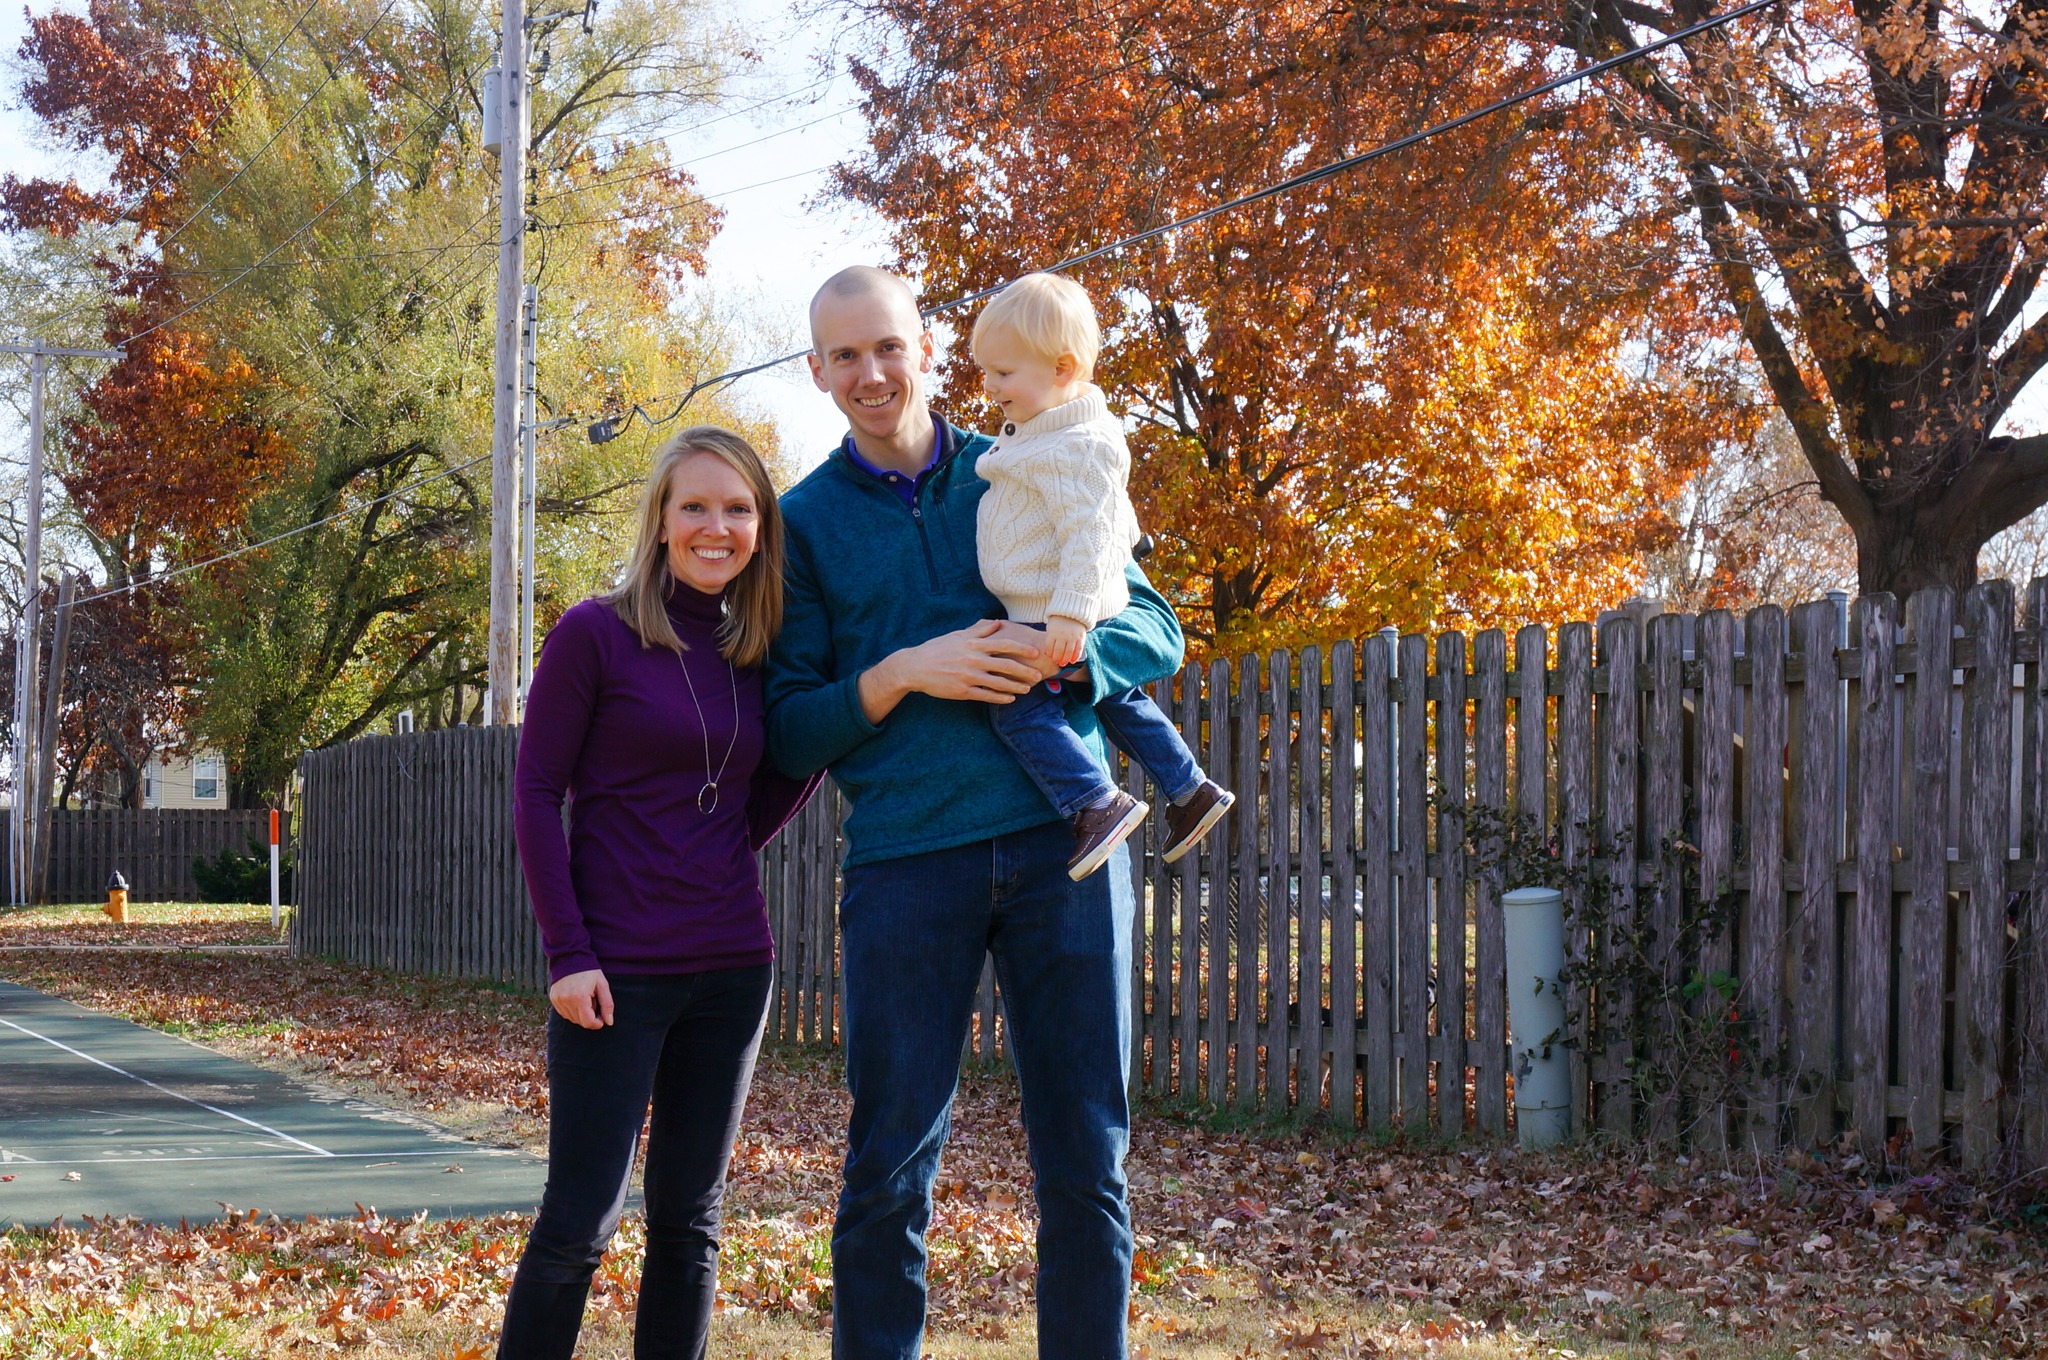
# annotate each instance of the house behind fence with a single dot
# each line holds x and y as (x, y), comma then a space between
(1799, 852)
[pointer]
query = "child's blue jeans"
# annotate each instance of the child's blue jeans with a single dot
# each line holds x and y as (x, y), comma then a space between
(1035, 728)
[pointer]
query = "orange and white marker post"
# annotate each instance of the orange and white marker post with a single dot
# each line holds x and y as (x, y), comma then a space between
(273, 868)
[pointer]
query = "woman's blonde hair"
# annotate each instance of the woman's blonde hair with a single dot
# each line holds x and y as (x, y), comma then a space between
(1050, 315)
(753, 600)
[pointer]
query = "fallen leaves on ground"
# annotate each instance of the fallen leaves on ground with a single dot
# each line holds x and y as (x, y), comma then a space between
(1421, 1248)
(149, 923)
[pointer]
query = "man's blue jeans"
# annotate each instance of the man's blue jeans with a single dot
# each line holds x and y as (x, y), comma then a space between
(1034, 726)
(914, 931)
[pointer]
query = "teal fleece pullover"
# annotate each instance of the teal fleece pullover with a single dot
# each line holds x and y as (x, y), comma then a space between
(868, 575)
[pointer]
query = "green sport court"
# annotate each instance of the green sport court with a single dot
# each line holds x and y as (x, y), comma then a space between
(99, 1116)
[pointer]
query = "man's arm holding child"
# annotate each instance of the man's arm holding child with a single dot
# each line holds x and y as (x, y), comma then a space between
(1138, 646)
(816, 715)
(978, 662)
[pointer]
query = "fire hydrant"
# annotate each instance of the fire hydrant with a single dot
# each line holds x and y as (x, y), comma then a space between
(117, 899)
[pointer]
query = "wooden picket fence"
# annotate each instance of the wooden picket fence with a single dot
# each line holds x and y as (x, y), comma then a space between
(1850, 791)
(406, 857)
(152, 848)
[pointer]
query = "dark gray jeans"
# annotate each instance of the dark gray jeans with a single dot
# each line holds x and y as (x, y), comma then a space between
(686, 1042)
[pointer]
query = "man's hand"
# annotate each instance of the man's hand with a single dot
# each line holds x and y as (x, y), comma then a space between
(1036, 637)
(1064, 639)
(583, 998)
(983, 663)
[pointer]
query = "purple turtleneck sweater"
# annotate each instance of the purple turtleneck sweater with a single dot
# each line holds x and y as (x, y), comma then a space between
(645, 881)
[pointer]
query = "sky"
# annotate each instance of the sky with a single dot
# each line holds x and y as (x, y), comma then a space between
(777, 244)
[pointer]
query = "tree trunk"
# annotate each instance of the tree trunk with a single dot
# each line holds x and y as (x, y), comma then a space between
(1230, 595)
(1902, 552)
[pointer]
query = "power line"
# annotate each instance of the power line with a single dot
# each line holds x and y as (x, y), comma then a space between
(255, 74)
(340, 514)
(610, 427)
(218, 558)
(694, 200)
(334, 70)
(842, 111)
(192, 142)
(303, 262)
(304, 227)
(1035, 40)
(652, 171)
(381, 348)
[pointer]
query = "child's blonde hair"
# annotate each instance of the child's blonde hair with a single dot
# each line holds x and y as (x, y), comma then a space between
(1052, 316)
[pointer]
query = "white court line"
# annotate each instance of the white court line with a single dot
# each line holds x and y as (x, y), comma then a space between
(451, 1152)
(314, 1148)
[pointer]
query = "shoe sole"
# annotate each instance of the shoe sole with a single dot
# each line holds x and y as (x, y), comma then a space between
(1100, 854)
(1203, 827)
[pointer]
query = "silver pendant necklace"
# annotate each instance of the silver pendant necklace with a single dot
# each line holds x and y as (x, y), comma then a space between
(710, 789)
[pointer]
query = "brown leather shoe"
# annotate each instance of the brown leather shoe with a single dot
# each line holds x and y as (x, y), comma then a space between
(1187, 823)
(1100, 830)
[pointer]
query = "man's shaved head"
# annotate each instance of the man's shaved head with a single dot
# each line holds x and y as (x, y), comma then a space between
(870, 350)
(863, 282)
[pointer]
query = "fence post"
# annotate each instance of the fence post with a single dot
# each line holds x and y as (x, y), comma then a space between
(1619, 741)
(1869, 939)
(1714, 743)
(1981, 931)
(1451, 921)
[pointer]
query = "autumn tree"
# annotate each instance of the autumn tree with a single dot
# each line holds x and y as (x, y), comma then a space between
(1457, 387)
(300, 234)
(1753, 529)
(1869, 179)
(122, 696)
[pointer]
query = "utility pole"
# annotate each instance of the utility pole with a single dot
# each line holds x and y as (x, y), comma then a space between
(46, 754)
(504, 667)
(529, 383)
(27, 712)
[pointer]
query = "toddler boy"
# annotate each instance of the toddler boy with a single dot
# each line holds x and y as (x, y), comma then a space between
(1055, 529)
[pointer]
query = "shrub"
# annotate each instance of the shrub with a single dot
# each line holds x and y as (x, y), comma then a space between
(232, 876)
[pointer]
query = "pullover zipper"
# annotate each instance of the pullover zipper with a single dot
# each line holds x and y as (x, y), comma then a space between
(924, 541)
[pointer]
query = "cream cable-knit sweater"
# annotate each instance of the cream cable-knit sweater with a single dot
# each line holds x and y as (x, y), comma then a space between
(1056, 524)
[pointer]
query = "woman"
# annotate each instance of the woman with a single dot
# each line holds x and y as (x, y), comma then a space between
(647, 706)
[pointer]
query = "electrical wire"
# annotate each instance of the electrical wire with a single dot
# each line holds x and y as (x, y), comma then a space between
(610, 427)
(652, 171)
(446, 298)
(819, 84)
(255, 74)
(842, 111)
(1035, 40)
(334, 70)
(694, 200)
(339, 514)
(304, 227)
(218, 558)
(300, 263)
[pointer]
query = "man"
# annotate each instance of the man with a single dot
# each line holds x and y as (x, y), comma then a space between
(887, 660)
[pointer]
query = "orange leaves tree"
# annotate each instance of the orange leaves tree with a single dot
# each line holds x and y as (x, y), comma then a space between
(1869, 180)
(1456, 387)
(131, 79)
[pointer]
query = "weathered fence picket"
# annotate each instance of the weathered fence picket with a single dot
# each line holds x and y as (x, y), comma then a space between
(1803, 849)
(152, 848)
